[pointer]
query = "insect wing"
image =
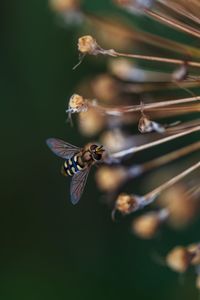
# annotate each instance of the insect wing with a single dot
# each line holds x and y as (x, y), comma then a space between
(61, 148)
(77, 185)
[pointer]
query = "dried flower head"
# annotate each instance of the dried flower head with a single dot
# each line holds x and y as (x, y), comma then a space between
(183, 207)
(179, 259)
(105, 88)
(64, 5)
(88, 45)
(126, 204)
(91, 122)
(77, 104)
(194, 249)
(110, 178)
(147, 225)
(146, 125)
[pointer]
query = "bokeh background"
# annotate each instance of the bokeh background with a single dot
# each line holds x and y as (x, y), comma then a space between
(49, 248)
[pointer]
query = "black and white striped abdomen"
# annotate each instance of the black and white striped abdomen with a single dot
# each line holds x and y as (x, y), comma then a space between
(72, 166)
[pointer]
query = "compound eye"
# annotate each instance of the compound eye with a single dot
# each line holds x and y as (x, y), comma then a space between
(97, 156)
(93, 147)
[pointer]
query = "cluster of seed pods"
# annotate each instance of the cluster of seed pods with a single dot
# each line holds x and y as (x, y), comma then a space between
(123, 109)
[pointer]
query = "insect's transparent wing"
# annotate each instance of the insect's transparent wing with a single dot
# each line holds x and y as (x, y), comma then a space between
(61, 148)
(77, 185)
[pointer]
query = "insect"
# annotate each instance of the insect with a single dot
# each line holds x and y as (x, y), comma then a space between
(77, 164)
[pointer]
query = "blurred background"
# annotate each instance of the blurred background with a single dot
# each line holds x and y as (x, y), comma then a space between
(49, 248)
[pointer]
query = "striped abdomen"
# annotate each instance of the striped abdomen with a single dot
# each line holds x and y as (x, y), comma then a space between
(72, 166)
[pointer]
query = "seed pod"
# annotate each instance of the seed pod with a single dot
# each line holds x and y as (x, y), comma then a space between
(64, 5)
(88, 45)
(91, 122)
(126, 203)
(194, 249)
(183, 207)
(77, 103)
(147, 225)
(105, 88)
(109, 179)
(145, 124)
(179, 259)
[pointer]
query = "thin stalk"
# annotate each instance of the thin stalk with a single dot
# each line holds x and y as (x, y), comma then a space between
(158, 59)
(111, 25)
(150, 106)
(174, 23)
(149, 86)
(167, 158)
(154, 193)
(133, 150)
(179, 10)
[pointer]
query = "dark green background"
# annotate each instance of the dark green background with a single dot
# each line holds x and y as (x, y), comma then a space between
(50, 249)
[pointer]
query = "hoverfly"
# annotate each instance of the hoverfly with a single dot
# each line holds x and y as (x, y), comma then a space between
(77, 164)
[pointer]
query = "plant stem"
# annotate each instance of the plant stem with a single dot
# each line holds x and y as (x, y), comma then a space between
(169, 21)
(172, 181)
(158, 59)
(134, 108)
(133, 150)
(157, 162)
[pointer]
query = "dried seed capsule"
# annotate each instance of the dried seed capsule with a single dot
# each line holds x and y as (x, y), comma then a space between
(77, 104)
(105, 88)
(146, 125)
(183, 207)
(64, 5)
(194, 249)
(147, 225)
(91, 122)
(88, 45)
(179, 259)
(109, 178)
(116, 140)
(126, 203)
